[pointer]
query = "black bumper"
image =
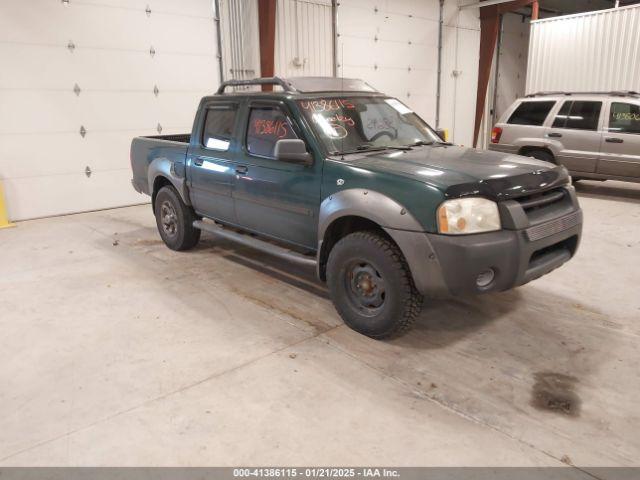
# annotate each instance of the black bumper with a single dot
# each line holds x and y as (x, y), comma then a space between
(515, 256)
(531, 244)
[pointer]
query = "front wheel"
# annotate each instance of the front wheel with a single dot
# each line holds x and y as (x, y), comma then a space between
(175, 220)
(371, 285)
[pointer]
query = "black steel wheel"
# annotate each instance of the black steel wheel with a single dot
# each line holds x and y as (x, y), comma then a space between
(371, 285)
(175, 220)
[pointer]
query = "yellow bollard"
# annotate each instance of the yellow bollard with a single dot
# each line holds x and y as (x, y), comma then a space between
(4, 218)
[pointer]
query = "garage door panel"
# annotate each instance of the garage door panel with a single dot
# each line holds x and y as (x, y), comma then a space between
(188, 35)
(186, 72)
(55, 195)
(183, 106)
(31, 65)
(17, 160)
(26, 111)
(112, 65)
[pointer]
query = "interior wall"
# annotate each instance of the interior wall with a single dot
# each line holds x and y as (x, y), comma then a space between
(393, 45)
(117, 53)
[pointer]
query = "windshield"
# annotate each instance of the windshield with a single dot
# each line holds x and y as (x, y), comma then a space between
(350, 124)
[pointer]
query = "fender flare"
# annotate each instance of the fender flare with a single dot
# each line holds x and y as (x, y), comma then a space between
(396, 221)
(163, 167)
(369, 204)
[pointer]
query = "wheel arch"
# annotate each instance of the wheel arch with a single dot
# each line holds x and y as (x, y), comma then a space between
(354, 210)
(161, 173)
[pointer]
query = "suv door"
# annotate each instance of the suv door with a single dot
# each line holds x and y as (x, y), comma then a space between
(275, 198)
(620, 154)
(211, 160)
(576, 134)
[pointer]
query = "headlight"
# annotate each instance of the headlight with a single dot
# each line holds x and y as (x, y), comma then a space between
(468, 215)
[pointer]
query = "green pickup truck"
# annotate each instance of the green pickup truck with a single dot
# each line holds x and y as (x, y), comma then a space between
(330, 173)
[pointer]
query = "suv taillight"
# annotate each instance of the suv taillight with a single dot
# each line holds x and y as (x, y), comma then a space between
(495, 134)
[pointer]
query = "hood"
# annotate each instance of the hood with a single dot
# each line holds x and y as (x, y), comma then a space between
(460, 171)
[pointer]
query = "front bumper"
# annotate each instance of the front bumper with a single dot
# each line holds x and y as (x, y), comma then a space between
(444, 265)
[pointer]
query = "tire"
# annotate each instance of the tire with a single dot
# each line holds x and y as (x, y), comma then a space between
(541, 155)
(371, 285)
(175, 220)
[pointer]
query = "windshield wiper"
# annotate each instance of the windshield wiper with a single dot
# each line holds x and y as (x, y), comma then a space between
(365, 147)
(421, 143)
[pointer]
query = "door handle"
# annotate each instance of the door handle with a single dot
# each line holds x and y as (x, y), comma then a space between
(241, 170)
(198, 162)
(554, 135)
(613, 140)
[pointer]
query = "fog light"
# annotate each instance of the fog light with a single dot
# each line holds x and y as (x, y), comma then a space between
(485, 278)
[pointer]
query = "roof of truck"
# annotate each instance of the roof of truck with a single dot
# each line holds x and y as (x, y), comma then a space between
(298, 86)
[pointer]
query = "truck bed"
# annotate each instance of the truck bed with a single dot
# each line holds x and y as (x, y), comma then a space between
(178, 137)
(165, 150)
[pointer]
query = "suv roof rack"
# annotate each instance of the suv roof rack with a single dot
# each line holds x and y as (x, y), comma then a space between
(286, 86)
(613, 93)
(304, 84)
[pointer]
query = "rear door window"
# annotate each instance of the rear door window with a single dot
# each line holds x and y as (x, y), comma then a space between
(218, 127)
(578, 115)
(624, 118)
(531, 113)
(266, 126)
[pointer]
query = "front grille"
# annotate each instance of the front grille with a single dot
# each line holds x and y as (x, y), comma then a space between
(558, 225)
(540, 200)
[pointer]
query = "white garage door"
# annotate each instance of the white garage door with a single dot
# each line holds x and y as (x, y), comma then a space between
(79, 79)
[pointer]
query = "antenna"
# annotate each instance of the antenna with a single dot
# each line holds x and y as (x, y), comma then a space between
(342, 88)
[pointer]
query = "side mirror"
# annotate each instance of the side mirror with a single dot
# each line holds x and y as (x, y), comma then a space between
(442, 133)
(293, 151)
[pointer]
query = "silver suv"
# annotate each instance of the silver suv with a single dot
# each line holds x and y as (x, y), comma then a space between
(594, 135)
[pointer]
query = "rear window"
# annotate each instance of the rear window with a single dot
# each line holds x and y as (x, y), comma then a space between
(218, 127)
(531, 113)
(578, 115)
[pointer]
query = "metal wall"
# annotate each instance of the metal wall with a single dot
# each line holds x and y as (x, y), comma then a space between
(79, 79)
(304, 38)
(596, 51)
(240, 39)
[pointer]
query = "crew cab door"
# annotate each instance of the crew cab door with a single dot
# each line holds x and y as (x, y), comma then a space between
(273, 197)
(211, 160)
(577, 132)
(620, 154)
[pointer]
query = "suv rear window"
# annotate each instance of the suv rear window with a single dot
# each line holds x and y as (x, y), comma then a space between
(579, 115)
(531, 113)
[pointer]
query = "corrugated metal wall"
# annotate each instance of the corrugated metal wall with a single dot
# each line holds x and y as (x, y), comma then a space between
(240, 39)
(597, 51)
(304, 38)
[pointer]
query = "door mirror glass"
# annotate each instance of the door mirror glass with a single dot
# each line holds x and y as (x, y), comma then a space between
(292, 151)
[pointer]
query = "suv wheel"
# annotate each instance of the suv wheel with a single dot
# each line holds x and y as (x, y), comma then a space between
(371, 285)
(175, 220)
(541, 155)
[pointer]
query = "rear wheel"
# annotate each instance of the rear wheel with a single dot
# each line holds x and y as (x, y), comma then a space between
(541, 155)
(175, 220)
(371, 285)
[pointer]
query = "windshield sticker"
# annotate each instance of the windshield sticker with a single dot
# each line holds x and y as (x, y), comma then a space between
(400, 107)
(332, 127)
(325, 105)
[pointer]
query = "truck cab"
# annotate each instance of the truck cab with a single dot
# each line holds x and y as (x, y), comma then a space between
(333, 174)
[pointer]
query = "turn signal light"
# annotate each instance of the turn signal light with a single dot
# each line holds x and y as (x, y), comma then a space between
(496, 133)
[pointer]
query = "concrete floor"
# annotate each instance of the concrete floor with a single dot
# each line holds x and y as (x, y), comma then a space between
(118, 351)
